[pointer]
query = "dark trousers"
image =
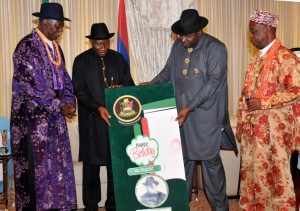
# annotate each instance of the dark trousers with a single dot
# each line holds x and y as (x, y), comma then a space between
(91, 188)
(296, 177)
(214, 180)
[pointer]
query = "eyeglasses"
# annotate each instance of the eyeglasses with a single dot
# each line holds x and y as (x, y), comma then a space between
(188, 37)
(58, 25)
(101, 44)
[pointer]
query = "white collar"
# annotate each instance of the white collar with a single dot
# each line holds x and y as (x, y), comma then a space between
(263, 51)
(49, 42)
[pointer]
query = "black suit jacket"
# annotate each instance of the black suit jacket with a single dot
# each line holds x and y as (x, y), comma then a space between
(89, 87)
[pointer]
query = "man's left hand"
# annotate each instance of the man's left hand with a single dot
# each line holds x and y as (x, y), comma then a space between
(254, 104)
(68, 111)
(182, 115)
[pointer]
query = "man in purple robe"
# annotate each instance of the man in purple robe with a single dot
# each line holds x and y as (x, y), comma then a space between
(42, 98)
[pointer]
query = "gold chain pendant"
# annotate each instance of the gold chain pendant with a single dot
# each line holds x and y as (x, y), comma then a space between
(187, 61)
(103, 72)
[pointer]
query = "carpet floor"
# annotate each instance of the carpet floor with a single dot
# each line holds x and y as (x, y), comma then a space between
(200, 204)
(196, 205)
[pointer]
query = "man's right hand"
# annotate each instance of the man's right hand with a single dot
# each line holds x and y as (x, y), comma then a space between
(104, 114)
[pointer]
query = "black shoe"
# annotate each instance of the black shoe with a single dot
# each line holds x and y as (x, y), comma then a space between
(93, 208)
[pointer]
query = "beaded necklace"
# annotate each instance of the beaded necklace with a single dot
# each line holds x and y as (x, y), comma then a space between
(56, 63)
(187, 61)
(265, 71)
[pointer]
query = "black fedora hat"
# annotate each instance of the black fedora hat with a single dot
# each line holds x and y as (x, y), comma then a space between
(51, 11)
(99, 31)
(150, 181)
(190, 22)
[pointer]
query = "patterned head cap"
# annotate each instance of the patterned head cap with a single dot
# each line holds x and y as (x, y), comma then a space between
(264, 17)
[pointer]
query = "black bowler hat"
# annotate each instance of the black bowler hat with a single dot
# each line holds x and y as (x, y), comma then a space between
(190, 22)
(51, 11)
(99, 31)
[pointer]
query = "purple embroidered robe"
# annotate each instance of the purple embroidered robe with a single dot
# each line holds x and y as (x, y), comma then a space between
(43, 167)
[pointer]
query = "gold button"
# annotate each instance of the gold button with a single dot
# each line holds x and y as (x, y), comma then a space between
(187, 60)
(184, 71)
